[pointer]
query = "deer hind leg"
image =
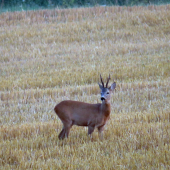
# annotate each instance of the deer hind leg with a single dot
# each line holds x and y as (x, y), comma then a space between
(66, 129)
(61, 135)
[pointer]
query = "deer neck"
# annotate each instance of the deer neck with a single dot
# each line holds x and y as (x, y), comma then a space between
(105, 108)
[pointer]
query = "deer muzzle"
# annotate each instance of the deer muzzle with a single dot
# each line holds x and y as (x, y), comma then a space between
(102, 98)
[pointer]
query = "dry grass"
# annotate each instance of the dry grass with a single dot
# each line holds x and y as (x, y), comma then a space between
(50, 55)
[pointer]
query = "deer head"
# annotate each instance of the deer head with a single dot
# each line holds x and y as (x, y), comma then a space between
(105, 91)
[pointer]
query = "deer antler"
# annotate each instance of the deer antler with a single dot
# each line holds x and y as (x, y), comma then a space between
(101, 80)
(108, 81)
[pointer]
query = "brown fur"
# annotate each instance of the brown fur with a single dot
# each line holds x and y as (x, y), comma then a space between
(84, 114)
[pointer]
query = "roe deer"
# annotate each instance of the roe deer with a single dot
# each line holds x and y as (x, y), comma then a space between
(86, 114)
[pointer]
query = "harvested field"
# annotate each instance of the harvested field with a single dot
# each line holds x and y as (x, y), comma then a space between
(48, 56)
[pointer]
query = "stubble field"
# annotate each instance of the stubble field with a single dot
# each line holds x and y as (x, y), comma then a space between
(51, 55)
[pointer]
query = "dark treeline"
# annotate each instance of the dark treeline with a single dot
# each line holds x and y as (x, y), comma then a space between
(73, 3)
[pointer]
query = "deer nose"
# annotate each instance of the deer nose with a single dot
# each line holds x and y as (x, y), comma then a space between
(102, 98)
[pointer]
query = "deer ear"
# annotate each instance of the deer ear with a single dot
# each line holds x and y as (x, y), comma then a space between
(101, 87)
(112, 87)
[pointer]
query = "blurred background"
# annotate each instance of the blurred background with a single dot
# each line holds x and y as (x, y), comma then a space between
(13, 5)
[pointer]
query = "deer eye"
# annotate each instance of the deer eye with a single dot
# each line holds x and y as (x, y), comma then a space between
(107, 92)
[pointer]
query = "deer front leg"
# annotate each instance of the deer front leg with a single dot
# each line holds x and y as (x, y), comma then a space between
(100, 132)
(90, 130)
